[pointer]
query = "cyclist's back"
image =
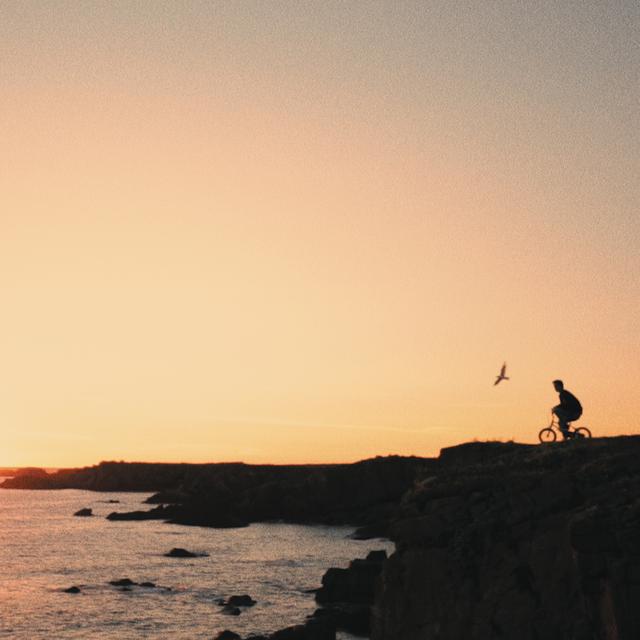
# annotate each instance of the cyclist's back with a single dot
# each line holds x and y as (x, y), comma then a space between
(568, 410)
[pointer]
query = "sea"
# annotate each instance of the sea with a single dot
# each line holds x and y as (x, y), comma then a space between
(44, 550)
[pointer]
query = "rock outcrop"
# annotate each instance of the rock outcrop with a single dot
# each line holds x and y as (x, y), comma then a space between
(179, 552)
(518, 543)
(364, 494)
(72, 589)
(244, 600)
(227, 635)
(32, 477)
(346, 595)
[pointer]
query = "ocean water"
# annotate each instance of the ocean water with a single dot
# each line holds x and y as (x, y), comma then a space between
(44, 549)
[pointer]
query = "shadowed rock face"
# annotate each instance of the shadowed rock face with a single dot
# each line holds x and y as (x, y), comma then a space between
(530, 544)
(347, 594)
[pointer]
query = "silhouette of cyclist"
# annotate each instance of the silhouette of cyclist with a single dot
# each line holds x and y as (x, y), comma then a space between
(568, 410)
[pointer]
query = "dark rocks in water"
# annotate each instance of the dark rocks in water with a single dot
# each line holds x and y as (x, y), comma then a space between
(177, 552)
(232, 606)
(123, 582)
(84, 512)
(158, 513)
(73, 589)
(227, 635)
(241, 601)
(228, 610)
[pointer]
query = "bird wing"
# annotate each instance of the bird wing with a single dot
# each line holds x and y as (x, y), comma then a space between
(503, 370)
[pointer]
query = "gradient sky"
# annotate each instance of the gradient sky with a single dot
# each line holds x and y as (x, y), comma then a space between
(313, 231)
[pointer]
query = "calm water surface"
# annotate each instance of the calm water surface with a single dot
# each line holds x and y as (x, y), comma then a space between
(44, 549)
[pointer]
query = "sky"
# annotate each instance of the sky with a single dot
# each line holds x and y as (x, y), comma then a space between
(297, 232)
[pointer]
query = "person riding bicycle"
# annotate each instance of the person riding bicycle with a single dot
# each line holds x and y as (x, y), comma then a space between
(568, 410)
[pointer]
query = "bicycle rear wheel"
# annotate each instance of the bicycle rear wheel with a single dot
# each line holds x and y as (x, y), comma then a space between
(547, 435)
(582, 432)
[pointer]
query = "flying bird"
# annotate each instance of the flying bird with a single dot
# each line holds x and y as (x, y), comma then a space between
(501, 376)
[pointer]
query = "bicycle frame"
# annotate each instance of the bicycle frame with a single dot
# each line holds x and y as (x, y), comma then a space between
(550, 433)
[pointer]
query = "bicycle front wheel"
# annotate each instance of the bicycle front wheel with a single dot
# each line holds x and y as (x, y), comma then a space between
(547, 435)
(583, 432)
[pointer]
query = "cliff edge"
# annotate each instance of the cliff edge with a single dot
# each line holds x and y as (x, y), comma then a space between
(513, 542)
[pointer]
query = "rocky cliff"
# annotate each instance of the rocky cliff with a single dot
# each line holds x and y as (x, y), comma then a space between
(493, 540)
(514, 542)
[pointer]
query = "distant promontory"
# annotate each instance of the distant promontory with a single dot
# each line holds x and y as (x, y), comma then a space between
(365, 494)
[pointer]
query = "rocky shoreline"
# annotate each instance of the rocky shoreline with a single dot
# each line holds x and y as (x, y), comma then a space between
(363, 494)
(493, 540)
(345, 598)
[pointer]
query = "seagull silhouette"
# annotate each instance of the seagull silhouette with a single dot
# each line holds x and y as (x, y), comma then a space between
(501, 376)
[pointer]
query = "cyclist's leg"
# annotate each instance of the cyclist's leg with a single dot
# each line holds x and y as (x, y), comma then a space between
(563, 421)
(572, 418)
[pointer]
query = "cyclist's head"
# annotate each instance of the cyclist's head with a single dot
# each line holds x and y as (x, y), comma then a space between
(558, 384)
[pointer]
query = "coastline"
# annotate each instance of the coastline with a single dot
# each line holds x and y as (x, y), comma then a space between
(489, 530)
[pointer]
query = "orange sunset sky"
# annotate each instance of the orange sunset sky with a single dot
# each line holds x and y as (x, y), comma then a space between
(313, 231)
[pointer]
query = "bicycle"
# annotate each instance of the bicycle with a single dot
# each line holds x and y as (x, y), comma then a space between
(550, 433)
